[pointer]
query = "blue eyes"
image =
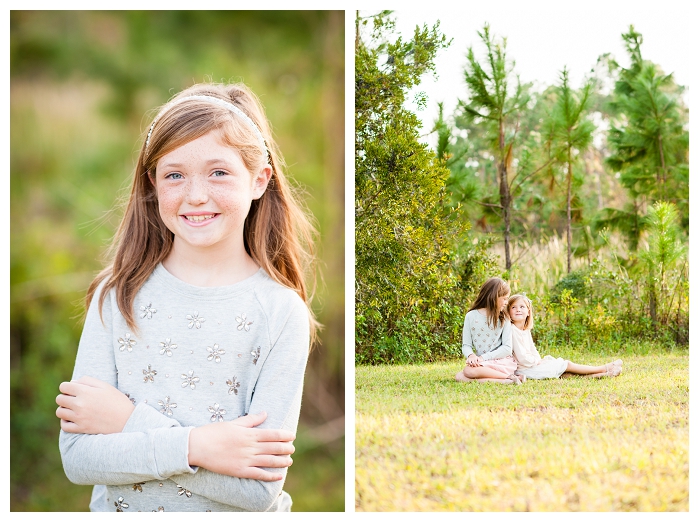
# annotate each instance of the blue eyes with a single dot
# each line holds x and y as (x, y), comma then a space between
(178, 176)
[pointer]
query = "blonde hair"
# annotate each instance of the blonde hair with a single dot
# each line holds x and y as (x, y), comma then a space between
(488, 299)
(278, 233)
(529, 321)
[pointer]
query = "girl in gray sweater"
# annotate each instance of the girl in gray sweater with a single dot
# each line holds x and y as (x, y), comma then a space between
(187, 384)
(487, 337)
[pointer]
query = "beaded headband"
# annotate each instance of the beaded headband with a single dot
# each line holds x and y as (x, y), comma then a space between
(217, 101)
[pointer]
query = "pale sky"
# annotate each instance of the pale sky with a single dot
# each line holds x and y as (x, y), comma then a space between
(543, 37)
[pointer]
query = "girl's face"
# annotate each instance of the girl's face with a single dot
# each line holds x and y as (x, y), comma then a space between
(204, 194)
(519, 311)
(502, 301)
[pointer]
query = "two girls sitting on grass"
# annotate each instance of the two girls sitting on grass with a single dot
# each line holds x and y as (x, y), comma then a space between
(497, 325)
(487, 337)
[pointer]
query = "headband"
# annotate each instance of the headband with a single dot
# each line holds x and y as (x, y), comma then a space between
(217, 101)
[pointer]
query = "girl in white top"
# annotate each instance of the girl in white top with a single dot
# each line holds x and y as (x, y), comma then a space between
(487, 337)
(187, 383)
(530, 363)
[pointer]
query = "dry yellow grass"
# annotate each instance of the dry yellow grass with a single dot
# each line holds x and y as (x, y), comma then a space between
(427, 443)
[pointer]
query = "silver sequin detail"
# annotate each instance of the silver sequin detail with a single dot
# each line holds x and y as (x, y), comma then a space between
(189, 379)
(166, 406)
(215, 353)
(183, 491)
(233, 385)
(126, 343)
(195, 320)
(149, 374)
(132, 399)
(138, 487)
(217, 413)
(147, 311)
(255, 355)
(243, 323)
(160, 508)
(121, 505)
(167, 347)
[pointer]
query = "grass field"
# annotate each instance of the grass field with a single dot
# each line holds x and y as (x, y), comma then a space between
(425, 442)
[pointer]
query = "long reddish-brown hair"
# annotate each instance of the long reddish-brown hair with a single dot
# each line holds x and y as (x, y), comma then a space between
(488, 299)
(278, 233)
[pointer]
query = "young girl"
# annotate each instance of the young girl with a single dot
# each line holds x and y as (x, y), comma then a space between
(530, 363)
(189, 372)
(489, 333)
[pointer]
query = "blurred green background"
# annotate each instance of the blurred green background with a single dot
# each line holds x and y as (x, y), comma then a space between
(83, 87)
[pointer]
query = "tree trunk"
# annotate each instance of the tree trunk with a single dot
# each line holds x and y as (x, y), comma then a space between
(505, 203)
(504, 194)
(653, 305)
(662, 166)
(568, 196)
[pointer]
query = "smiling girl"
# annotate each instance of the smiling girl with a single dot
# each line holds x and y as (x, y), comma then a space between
(530, 363)
(187, 383)
(487, 337)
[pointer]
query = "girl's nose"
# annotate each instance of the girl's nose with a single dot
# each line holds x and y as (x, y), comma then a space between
(197, 192)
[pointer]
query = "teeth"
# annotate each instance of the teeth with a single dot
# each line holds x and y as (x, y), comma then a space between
(197, 219)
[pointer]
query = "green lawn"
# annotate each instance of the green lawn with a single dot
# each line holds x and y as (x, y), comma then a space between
(425, 442)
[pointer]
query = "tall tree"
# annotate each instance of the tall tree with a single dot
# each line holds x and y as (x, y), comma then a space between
(494, 101)
(572, 132)
(402, 233)
(649, 138)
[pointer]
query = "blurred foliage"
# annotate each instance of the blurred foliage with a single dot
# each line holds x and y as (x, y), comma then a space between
(83, 89)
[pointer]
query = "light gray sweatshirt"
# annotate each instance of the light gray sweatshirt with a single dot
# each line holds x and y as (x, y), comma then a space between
(481, 339)
(201, 355)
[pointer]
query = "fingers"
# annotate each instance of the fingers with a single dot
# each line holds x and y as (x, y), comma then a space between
(273, 461)
(65, 414)
(264, 475)
(67, 401)
(69, 427)
(69, 388)
(91, 381)
(275, 435)
(251, 420)
(276, 448)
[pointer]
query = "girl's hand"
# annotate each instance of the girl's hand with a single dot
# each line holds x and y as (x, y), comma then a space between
(238, 449)
(474, 360)
(89, 405)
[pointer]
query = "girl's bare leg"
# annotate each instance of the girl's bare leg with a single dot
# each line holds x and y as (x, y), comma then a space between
(606, 370)
(583, 369)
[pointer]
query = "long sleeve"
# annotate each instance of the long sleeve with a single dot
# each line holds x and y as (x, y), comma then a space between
(467, 342)
(524, 349)
(505, 349)
(119, 458)
(199, 355)
(278, 392)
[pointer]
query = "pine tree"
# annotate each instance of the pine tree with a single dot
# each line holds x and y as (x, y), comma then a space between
(572, 133)
(495, 102)
(649, 140)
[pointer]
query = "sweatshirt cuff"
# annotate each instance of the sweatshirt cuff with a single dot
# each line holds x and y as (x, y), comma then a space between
(171, 451)
(145, 418)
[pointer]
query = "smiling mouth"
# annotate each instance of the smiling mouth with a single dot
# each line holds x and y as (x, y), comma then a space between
(199, 219)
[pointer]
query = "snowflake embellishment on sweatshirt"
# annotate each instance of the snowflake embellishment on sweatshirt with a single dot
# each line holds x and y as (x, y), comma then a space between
(243, 323)
(194, 320)
(126, 343)
(147, 311)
